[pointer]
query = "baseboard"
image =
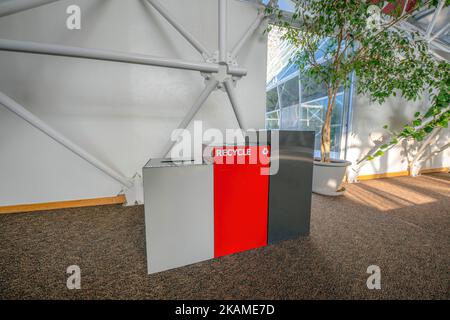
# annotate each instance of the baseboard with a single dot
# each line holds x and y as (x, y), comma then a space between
(435, 170)
(383, 175)
(120, 199)
(400, 174)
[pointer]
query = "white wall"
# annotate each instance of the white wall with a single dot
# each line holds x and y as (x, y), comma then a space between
(123, 114)
(368, 120)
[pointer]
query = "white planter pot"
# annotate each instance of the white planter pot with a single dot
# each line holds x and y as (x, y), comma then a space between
(327, 177)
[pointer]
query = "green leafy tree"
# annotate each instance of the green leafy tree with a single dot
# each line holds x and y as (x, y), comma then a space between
(351, 38)
(425, 125)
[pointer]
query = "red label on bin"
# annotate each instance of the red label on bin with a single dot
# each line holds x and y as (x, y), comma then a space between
(240, 198)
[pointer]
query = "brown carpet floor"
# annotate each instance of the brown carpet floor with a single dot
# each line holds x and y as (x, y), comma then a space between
(400, 224)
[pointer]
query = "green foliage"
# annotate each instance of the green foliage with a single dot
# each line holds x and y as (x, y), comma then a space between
(437, 115)
(386, 60)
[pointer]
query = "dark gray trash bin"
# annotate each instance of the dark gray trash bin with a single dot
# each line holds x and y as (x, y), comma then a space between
(290, 189)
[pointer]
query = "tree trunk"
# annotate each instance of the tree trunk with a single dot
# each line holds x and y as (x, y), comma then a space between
(420, 162)
(325, 146)
(416, 163)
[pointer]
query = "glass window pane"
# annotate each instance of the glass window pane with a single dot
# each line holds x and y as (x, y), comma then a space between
(312, 116)
(285, 5)
(274, 115)
(289, 93)
(272, 120)
(311, 90)
(272, 124)
(290, 118)
(301, 104)
(272, 99)
(336, 123)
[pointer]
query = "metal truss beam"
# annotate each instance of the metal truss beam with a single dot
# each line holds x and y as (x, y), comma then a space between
(250, 31)
(210, 87)
(423, 13)
(232, 96)
(186, 34)
(23, 113)
(134, 58)
(434, 19)
(440, 32)
(405, 25)
(223, 31)
(97, 54)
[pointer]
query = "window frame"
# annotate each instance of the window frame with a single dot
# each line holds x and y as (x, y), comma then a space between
(347, 111)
